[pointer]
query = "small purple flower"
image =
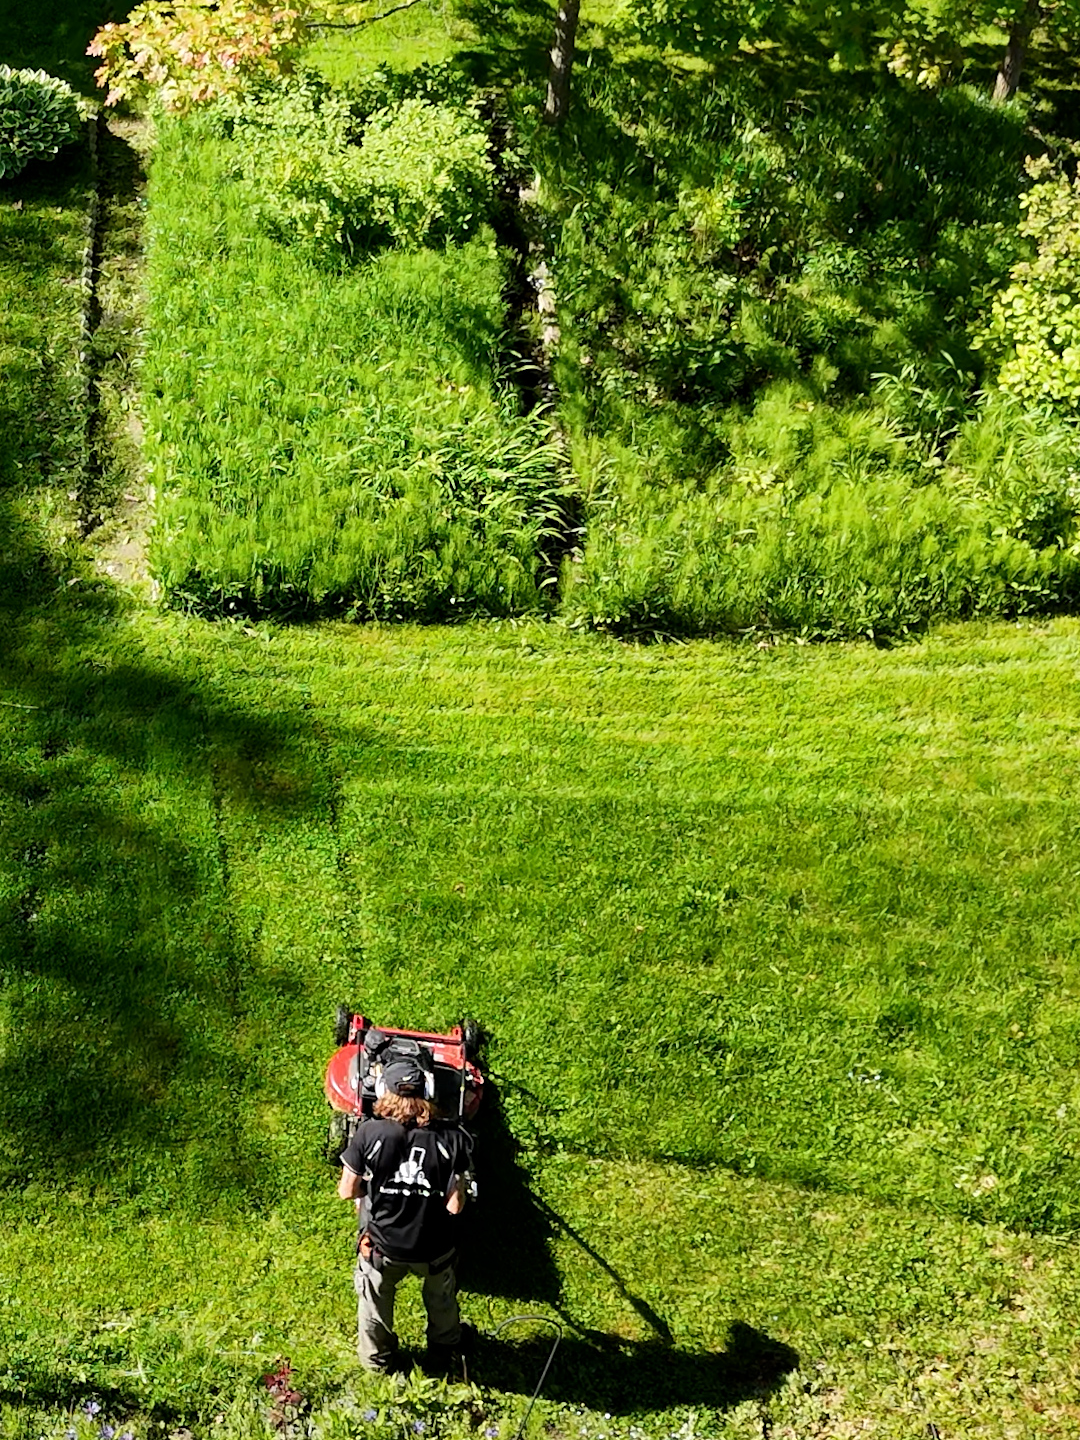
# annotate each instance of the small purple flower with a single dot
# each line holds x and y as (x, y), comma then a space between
(127, 1435)
(491, 1432)
(91, 1408)
(70, 1433)
(369, 1415)
(106, 1432)
(418, 1427)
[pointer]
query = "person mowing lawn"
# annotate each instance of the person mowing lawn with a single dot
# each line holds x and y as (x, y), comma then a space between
(407, 1170)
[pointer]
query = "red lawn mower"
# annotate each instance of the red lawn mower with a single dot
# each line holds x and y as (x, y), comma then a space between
(354, 1074)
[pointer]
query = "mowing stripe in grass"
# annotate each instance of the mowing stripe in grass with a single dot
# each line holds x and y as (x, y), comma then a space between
(688, 1296)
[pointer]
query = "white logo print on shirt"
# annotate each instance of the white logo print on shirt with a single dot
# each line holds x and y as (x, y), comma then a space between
(410, 1174)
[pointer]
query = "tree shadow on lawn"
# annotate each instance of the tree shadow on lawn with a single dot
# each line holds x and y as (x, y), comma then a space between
(33, 1387)
(122, 975)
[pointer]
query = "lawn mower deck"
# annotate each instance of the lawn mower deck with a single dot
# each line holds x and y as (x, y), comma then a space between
(353, 1075)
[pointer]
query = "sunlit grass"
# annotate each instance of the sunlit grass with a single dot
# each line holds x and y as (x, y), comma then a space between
(801, 914)
(776, 946)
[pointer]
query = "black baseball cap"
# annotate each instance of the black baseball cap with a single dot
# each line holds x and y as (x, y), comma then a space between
(404, 1077)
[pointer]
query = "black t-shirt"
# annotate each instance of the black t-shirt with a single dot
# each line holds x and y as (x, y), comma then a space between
(409, 1172)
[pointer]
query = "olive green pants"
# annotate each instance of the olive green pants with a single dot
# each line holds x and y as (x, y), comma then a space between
(376, 1288)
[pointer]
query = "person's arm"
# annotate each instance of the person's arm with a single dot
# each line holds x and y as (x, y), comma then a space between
(351, 1185)
(461, 1186)
(455, 1199)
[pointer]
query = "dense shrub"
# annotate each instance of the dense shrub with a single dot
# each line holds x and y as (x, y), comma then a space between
(426, 172)
(38, 115)
(335, 171)
(772, 302)
(1035, 318)
(725, 233)
(295, 142)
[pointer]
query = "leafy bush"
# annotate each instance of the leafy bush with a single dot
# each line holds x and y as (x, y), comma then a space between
(38, 115)
(296, 145)
(1036, 315)
(332, 174)
(188, 52)
(426, 171)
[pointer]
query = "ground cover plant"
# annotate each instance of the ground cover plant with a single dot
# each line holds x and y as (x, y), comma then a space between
(38, 115)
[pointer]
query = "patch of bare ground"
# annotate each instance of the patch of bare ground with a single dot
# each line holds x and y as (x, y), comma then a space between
(116, 506)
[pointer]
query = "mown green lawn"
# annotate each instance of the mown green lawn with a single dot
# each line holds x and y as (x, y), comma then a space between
(738, 920)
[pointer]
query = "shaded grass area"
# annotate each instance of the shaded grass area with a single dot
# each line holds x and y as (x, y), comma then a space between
(43, 231)
(54, 37)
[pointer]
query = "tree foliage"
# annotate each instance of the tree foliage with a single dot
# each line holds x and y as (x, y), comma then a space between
(195, 50)
(921, 40)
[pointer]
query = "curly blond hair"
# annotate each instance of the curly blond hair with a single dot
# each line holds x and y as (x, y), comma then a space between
(406, 1109)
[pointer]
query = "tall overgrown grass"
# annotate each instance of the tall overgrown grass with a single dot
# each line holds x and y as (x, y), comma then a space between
(774, 365)
(826, 522)
(328, 438)
(774, 284)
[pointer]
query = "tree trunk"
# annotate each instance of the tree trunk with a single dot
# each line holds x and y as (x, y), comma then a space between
(562, 60)
(1012, 63)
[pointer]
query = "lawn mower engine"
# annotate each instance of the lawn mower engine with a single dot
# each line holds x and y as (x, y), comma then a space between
(354, 1074)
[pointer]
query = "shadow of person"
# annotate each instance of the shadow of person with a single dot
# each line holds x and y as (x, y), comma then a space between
(606, 1372)
(506, 1240)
